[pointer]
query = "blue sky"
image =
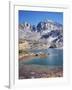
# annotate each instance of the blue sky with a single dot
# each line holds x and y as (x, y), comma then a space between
(34, 17)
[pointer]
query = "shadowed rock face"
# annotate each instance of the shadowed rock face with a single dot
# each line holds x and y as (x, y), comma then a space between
(45, 31)
(43, 25)
(25, 26)
(49, 25)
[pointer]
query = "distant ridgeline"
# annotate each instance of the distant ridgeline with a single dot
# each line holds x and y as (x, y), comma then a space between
(46, 32)
(43, 25)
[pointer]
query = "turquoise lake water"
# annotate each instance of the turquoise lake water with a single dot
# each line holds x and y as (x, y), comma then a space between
(55, 58)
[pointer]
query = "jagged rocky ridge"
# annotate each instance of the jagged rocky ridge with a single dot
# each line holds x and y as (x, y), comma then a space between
(47, 34)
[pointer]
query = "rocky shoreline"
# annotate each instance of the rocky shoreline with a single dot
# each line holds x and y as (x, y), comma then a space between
(35, 71)
(28, 71)
(32, 55)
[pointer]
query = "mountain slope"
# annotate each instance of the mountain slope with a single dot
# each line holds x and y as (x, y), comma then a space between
(46, 33)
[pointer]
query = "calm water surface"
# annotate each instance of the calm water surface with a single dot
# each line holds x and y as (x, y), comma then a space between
(55, 58)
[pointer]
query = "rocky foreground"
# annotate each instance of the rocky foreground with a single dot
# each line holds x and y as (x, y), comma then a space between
(38, 71)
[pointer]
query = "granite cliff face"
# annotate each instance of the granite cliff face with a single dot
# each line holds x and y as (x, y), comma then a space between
(48, 25)
(47, 34)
